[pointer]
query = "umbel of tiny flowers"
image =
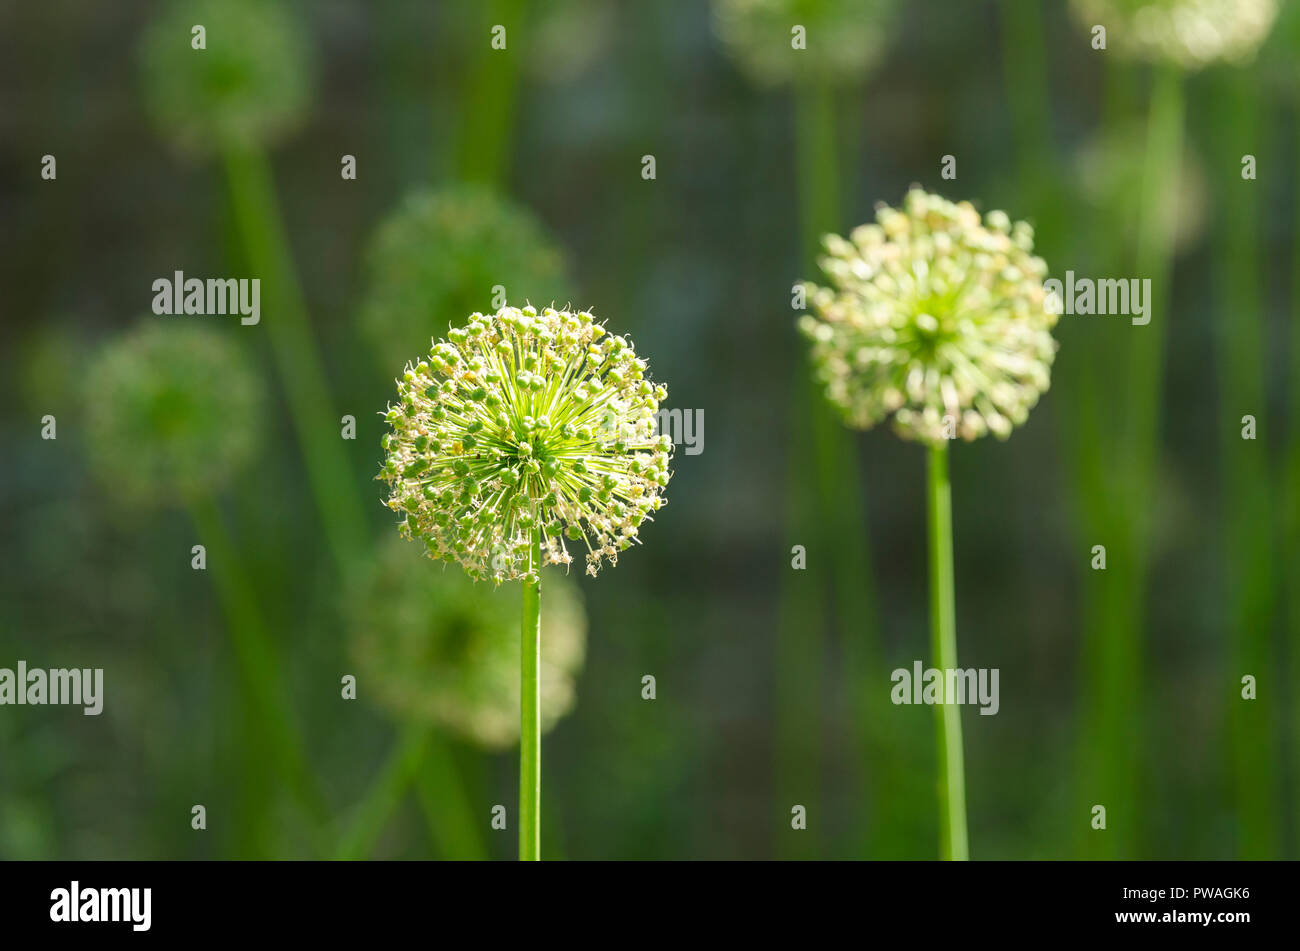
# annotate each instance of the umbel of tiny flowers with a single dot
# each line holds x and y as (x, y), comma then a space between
(936, 320)
(173, 412)
(443, 251)
(249, 86)
(1188, 33)
(843, 39)
(437, 649)
(521, 434)
(1111, 170)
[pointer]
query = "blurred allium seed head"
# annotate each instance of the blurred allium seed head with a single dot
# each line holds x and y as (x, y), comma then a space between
(1112, 169)
(845, 38)
(520, 423)
(437, 258)
(932, 313)
(1189, 33)
(435, 648)
(173, 411)
(250, 86)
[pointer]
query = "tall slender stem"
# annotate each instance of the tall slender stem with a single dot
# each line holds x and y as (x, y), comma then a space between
(255, 655)
(943, 648)
(530, 719)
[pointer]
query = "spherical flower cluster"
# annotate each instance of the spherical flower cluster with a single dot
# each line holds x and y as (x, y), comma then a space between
(248, 86)
(521, 433)
(434, 648)
(1188, 33)
(934, 318)
(1112, 177)
(844, 38)
(439, 256)
(172, 412)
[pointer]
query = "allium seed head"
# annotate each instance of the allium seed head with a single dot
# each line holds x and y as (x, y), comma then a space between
(524, 425)
(1188, 33)
(438, 649)
(933, 313)
(1112, 177)
(845, 38)
(441, 253)
(173, 411)
(249, 86)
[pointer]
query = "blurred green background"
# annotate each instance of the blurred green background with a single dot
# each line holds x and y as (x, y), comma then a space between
(523, 167)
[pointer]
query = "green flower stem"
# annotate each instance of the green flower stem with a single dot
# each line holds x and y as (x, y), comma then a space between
(487, 122)
(530, 717)
(1111, 658)
(391, 784)
(423, 760)
(802, 617)
(256, 660)
(253, 198)
(1123, 619)
(828, 513)
(1291, 485)
(257, 218)
(943, 649)
(1028, 94)
(452, 821)
(1248, 500)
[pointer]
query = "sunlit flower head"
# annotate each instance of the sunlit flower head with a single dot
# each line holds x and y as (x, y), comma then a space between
(1187, 33)
(172, 412)
(935, 319)
(432, 647)
(521, 426)
(843, 39)
(443, 254)
(249, 86)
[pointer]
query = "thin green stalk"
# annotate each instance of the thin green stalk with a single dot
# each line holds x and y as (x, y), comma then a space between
(421, 759)
(801, 615)
(262, 232)
(1116, 608)
(943, 649)
(1028, 95)
(1248, 496)
(1110, 657)
(1291, 487)
(256, 659)
(826, 517)
(389, 787)
(451, 819)
(530, 717)
(486, 124)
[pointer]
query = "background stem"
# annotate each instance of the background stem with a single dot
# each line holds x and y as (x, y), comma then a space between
(257, 663)
(943, 648)
(1249, 508)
